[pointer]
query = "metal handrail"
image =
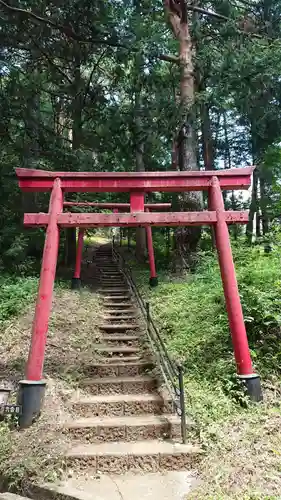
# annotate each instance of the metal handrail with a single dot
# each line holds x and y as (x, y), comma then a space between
(172, 372)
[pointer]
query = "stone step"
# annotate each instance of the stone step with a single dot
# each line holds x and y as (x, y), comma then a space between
(119, 366)
(122, 296)
(120, 318)
(116, 290)
(116, 298)
(112, 275)
(107, 266)
(110, 283)
(122, 312)
(121, 350)
(118, 340)
(119, 326)
(124, 359)
(122, 404)
(109, 271)
(120, 385)
(120, 304)
(124, 428)
(145, 456)
(106, 259)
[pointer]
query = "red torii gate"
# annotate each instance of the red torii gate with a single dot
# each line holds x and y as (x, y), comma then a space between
(137, 184)
(116, 207)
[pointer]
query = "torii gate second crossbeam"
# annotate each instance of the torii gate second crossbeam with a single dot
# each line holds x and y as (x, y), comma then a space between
(137, 184)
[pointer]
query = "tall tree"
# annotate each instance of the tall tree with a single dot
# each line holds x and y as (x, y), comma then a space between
(177, 14)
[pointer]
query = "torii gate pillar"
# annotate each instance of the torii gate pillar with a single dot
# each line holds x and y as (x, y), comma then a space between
(76, 280)
(153, 280)
(31, 393)
(232, 299)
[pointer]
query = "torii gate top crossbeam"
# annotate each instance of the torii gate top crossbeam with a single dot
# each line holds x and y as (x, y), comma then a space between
(41, 180)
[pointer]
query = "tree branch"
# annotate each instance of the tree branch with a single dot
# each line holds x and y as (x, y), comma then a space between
(194, 8)
(96, 65)
(66, 30)
(223, 18)
(169, 58)
(173, 15)
(51, 62)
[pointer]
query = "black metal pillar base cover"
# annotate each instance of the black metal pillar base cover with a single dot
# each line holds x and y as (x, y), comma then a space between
(253, 388)
(153, 282)
(30, 398)
(75, 283)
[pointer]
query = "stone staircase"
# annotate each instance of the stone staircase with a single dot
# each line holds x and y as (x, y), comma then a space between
(125, 422)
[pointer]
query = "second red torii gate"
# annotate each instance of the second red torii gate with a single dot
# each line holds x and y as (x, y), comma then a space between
(137, 184)
(116, 207)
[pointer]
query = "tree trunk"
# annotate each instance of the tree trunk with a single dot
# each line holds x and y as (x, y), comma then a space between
(76, 143)
(263, 206)
(32, 119)
(207, 140)
(259, 199)
(140, 231)
(253, 208)
(31, 151)
(139, 138)
(187, 239)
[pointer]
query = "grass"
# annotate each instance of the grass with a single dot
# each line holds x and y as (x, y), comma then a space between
(14, 292)
(242, 440)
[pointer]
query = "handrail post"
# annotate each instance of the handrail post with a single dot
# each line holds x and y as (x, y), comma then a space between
(182, 404)
(147, 307)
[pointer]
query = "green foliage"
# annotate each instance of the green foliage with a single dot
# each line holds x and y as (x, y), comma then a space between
(15, 293)
(191, 315)
(87, 95)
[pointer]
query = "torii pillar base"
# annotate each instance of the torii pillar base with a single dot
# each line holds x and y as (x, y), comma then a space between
(30, 398)
(76, 280)
(153, 282)
(75, 283)
(253, 388)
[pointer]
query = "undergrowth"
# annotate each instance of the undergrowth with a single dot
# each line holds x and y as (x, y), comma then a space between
(191, 316)
(15, 293)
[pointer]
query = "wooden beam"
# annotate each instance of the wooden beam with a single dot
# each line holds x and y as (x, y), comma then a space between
(136, 219)
(119, 206)
(136, 201)
(40, 180)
